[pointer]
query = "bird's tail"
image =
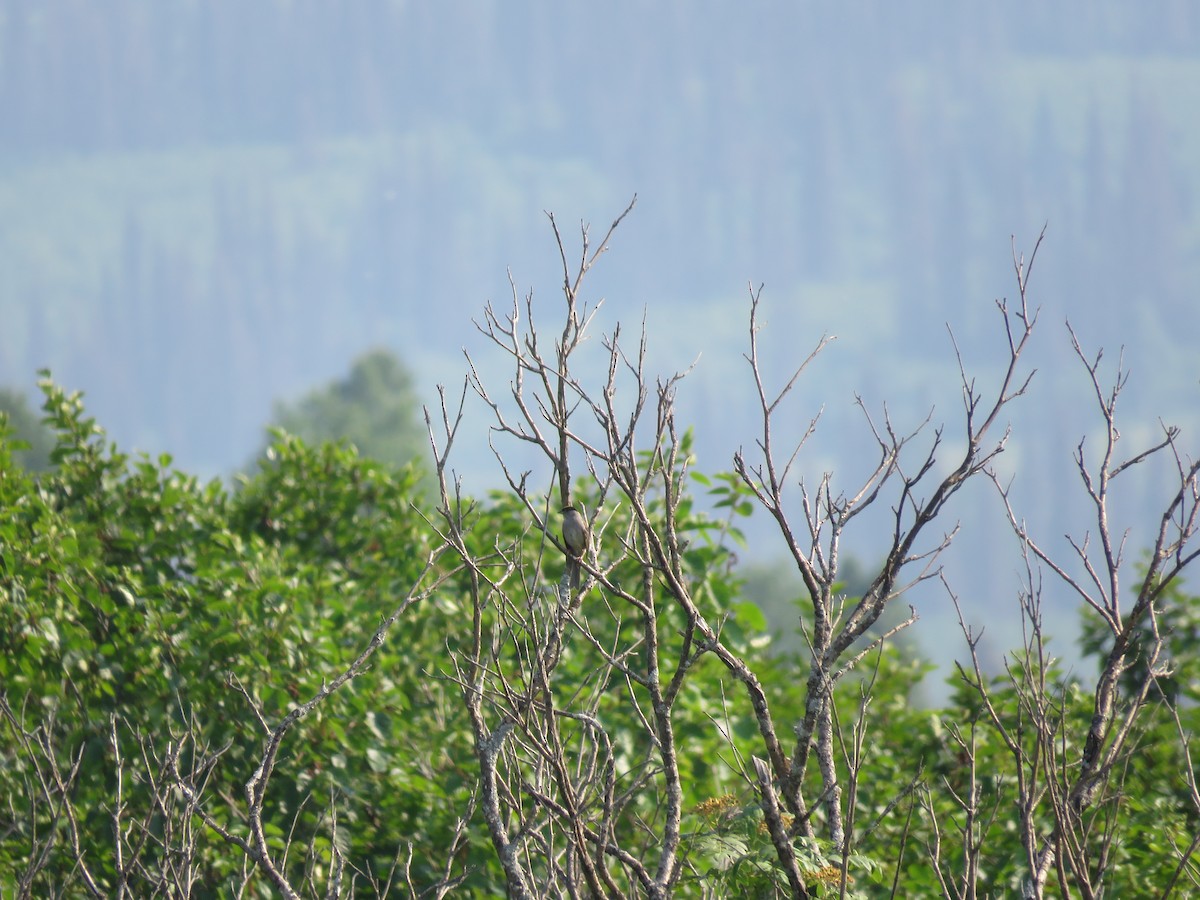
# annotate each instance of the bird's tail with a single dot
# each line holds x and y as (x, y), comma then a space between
(573, 578)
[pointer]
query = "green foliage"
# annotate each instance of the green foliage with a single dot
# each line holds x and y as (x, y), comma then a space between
(733, 854)
(374, 408)
(135, 593)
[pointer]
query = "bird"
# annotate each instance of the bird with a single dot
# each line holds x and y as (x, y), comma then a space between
(576, 541)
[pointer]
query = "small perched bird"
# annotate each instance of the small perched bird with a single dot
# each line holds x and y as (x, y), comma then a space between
(576, 540)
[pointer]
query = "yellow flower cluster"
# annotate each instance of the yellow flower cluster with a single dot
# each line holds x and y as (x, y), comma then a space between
(826, 875)
(714, 806)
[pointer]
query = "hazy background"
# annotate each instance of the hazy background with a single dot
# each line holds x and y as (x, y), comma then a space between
(209, 206)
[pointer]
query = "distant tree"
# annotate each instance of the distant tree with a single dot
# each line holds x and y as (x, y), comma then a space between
(24, 425)
(374, 408)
